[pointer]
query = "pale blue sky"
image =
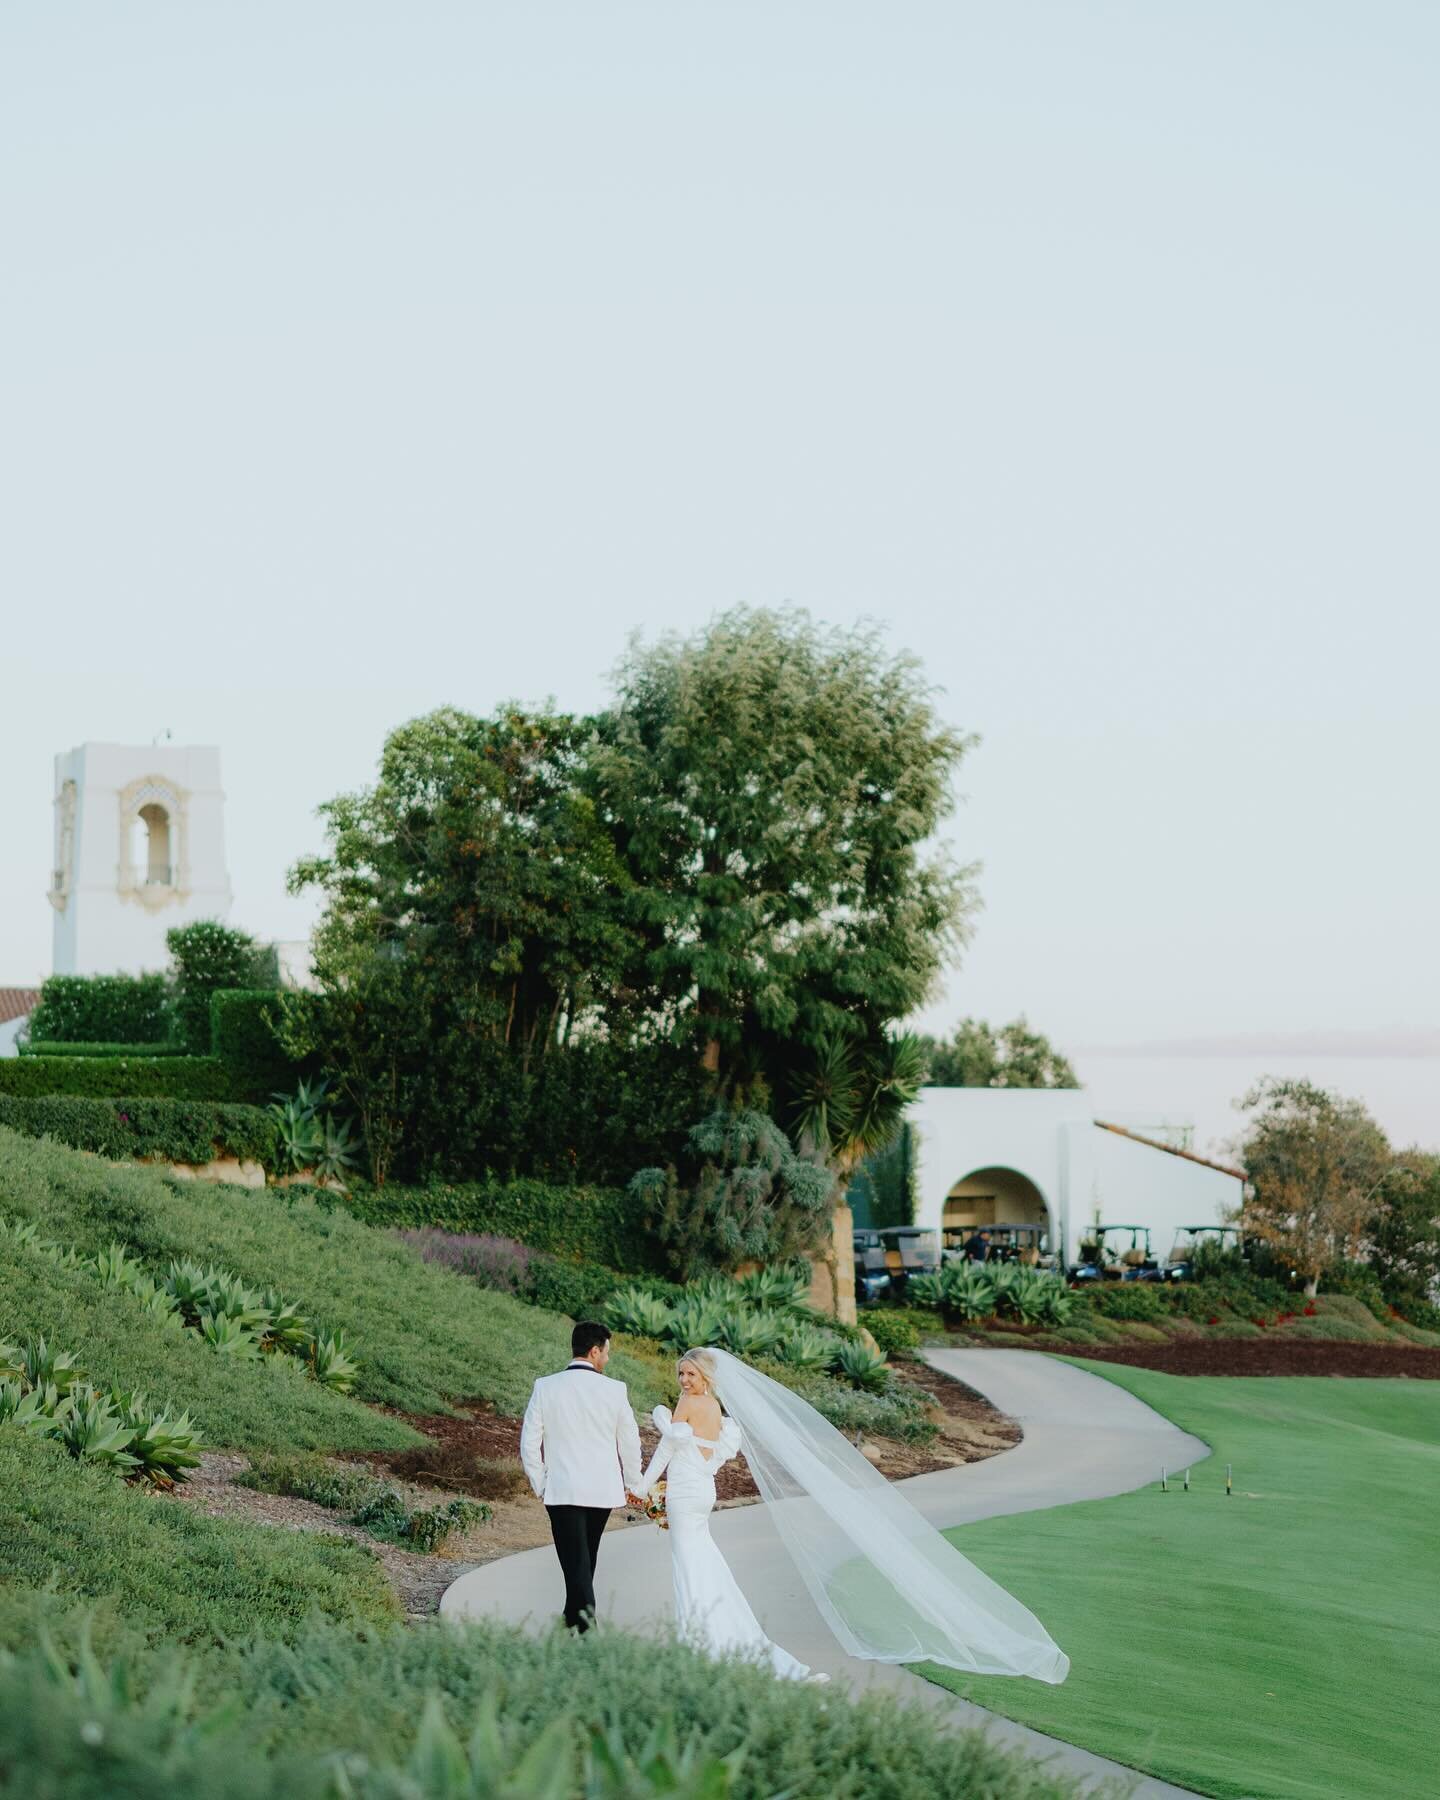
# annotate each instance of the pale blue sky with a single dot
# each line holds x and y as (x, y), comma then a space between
(364, 358)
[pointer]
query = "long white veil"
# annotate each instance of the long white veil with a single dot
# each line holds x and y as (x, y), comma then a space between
(890, 1587)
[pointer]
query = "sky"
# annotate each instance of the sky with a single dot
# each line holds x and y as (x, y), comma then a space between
(360, 359)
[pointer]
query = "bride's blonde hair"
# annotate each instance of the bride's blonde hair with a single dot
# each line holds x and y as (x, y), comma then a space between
(704, 1361)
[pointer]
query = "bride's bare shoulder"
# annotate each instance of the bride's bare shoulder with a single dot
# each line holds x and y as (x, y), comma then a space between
(700, 1411)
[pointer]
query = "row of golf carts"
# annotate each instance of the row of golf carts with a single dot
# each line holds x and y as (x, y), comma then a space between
(885, 1259)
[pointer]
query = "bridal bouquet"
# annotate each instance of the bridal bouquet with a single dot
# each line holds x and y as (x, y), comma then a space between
(655, 1506)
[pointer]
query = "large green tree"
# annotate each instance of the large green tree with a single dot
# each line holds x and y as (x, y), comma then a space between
(474, 930)
(774, 787)
(1315, 1164)
(1010, 1056)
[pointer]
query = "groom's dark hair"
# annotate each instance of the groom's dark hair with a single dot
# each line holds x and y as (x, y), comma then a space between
(588, 1336)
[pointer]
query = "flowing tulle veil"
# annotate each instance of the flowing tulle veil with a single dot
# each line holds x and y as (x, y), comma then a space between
(889, 1586)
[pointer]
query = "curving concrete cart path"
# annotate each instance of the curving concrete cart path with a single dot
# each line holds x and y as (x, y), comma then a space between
(1085, 1439)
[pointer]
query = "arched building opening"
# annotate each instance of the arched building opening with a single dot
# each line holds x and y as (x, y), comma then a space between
(993, 1198)
(150, 846)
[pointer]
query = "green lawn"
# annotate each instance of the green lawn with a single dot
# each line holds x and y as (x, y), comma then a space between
(1280, 1645)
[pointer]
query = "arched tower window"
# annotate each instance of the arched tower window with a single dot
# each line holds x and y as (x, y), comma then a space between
(154, 851)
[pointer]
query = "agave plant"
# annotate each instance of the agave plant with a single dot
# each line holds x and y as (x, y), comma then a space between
(192, 1290)
(164, 1448)
(862, 1367)
(229, 1336)
(42, 1365)
(288, 1329)
(231, 1297)
(115, 1267)
(19, 1231)
(32, 1409)
(331, 1363)
(93, 1431)
(693, 1321)
(779, 1285)
(806, 1349)
(637, 1313)
(158, 1303)
(925, 1290)
(750, 1334)
(967, 1290)
(338, 1152)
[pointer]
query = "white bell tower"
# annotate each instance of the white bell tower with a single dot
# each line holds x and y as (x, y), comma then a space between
(139, 848)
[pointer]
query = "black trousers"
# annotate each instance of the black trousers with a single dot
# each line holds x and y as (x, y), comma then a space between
(577, 1531)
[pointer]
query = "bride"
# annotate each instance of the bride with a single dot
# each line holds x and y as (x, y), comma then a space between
(889, 1586)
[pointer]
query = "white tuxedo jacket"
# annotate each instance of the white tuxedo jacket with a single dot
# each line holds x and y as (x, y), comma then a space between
(579, 1443)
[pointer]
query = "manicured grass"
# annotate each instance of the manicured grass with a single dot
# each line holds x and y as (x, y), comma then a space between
(1282, 1644)
(158, 1567)
(424, 1335)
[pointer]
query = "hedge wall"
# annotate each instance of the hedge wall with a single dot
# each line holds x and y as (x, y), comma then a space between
(58, 1047)
(243, 1037)
(593, 1224)
(98, 1009)
(174, 1077)
(187, 1131)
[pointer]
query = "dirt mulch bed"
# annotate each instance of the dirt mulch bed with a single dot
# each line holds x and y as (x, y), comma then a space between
(477, 1453)
(970, 1430)
(1265, 1356)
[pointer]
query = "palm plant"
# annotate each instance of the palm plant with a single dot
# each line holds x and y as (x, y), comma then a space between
(850, 1101)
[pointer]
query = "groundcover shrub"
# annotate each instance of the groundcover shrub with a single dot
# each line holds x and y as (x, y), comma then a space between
(167, 1567)
(400, 1711)
(269, 1403)
(174, 1077)
(429, 1335)
(181, 1131)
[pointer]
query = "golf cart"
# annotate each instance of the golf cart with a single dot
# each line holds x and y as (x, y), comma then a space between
(885, 1259)
(1115, 1253)
(1181, 1265)
(1027, 1245)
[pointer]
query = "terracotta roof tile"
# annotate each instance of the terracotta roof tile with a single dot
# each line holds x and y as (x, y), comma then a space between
(16, 1002)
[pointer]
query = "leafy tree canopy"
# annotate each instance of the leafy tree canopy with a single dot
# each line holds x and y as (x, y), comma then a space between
(1012, 1056)
(1316, 1164)
(774, 787)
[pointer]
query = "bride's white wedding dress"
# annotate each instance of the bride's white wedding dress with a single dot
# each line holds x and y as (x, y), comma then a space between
(888, 1585)
(710, 1611)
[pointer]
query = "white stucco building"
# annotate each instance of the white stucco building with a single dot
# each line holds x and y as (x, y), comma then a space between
(1040, 1156)
(139, 848)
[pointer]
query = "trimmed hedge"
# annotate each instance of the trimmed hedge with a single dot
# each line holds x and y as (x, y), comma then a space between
(94, 1009)
(174, 1077)
(58, 1047)
(586, 1224)
(185, 1131)
(242, 1036)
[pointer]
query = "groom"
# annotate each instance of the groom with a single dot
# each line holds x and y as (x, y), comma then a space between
(581, 1450)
